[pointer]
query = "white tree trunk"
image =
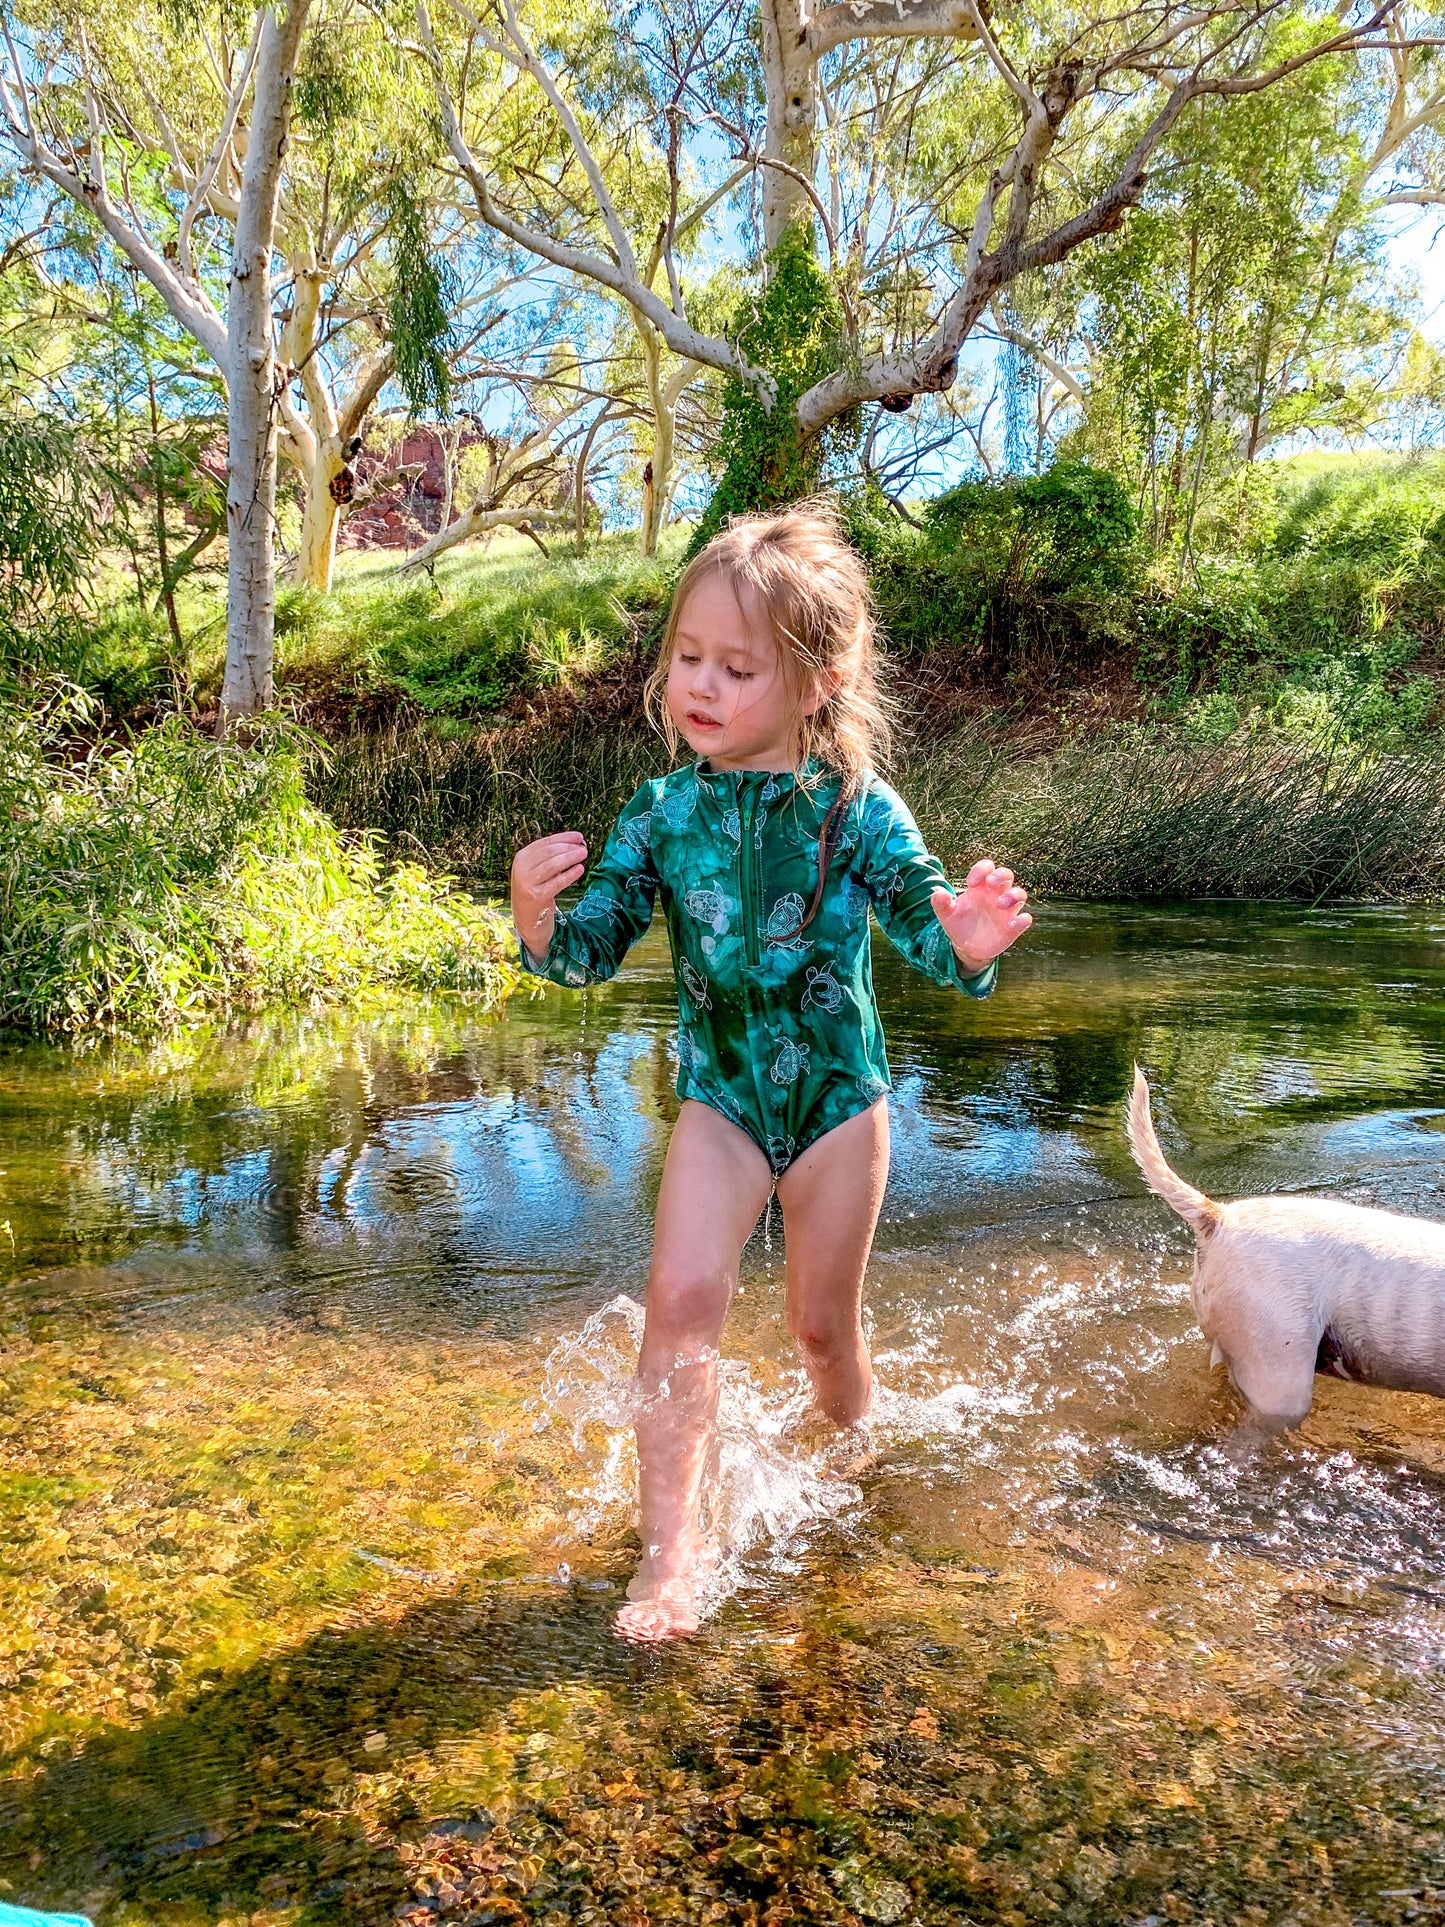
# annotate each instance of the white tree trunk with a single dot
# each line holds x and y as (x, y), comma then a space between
(654, 481)
(251, 485)
(320, 519)
(789, 68)
(317, 443)
(663, 397)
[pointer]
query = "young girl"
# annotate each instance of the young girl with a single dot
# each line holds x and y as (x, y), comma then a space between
(767, 851)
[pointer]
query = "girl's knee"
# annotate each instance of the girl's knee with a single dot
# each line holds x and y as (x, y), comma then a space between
(823, 1336)
(687, 1302)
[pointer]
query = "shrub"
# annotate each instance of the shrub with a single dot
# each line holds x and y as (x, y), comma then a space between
(1023, 579)
(151, 882)
(47, 537)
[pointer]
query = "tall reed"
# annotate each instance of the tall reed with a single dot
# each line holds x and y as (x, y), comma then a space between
(1125, 813)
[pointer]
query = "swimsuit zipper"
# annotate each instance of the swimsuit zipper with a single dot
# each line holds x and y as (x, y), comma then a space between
(746, 875)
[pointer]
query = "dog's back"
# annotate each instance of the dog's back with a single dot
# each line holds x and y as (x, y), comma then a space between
(1284, 1287)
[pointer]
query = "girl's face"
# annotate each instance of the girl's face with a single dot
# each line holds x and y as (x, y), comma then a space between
(726, 690)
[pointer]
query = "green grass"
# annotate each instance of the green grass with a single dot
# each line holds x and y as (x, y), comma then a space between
(487, 624)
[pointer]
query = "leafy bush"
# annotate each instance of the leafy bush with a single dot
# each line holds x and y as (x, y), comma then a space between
(1020, 578)
(47, 536)
(148, 883)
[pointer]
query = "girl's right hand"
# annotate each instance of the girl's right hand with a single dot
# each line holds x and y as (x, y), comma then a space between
(540, 872)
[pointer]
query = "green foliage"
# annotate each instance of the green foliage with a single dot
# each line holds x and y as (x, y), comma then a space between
(794, 332)
(1020, 577)
(326, 94)
(424, 290)
(1322, 626)
(146, 883)
(1245, 302)
(47, 535)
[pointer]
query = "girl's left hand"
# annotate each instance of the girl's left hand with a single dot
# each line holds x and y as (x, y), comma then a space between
(985, 917)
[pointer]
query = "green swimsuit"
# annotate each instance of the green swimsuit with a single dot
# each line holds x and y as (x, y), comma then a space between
(777, 1026)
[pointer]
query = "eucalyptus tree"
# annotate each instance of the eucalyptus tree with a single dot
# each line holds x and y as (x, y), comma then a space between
(271, 177)
(525, 425)
(898, 164)
(1250, 300)
(81, 104)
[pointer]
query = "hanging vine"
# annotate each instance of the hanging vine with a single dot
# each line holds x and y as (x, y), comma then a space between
(424, 290)
(795, 332)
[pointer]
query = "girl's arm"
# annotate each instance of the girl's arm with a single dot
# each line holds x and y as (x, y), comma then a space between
(586, 944)
(911, 894)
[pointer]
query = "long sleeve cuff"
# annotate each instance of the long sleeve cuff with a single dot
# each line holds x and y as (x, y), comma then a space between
(537, 967)
(981, 984)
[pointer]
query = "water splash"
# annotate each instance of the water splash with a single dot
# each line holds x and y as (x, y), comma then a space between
(767, 1486)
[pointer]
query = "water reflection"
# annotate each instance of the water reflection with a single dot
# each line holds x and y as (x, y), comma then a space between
(316, 1483)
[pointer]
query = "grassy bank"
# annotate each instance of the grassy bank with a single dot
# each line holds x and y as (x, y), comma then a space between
(1262, 717)
(1124, 812)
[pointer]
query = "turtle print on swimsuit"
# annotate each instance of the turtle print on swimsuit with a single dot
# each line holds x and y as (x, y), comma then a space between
(778, 1025)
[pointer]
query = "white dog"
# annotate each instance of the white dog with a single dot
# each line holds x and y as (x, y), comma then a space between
(1287, 1287)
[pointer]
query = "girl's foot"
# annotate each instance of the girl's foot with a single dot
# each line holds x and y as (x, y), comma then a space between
(658, 1609)
(855, 1451)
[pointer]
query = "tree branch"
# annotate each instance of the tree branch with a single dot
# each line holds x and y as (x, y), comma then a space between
(679, 334)
(888, 20)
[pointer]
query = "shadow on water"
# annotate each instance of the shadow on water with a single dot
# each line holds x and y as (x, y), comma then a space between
(316, 1486)
(271, 1784)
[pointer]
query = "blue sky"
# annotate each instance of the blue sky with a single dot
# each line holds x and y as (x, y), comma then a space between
(1418, 246)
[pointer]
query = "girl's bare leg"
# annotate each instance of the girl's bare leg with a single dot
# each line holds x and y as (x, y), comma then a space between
(831, 1199)
(714, 1184)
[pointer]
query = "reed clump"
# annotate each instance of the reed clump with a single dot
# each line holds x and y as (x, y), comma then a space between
(471, 798)
(1134, 813)
(150, 882)
(1127, 812)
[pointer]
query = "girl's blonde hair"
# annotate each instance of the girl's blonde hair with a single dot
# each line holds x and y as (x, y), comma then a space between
(812, 588)
(794, 565)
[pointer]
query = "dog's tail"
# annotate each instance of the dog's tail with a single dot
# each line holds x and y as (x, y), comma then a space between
(1201, 1212)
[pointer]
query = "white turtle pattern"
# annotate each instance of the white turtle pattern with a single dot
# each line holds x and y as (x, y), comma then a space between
(691, 1057)
(852, 898)
(824, 992)
(636, 833)
(790, 1062)
(780, 1152)
(710, 907)
(593, 905)
(677, 805)
(694, 983)
(932, 942)
(785, 919)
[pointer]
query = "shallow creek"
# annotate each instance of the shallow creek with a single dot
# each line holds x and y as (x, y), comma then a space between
(315, 1473)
